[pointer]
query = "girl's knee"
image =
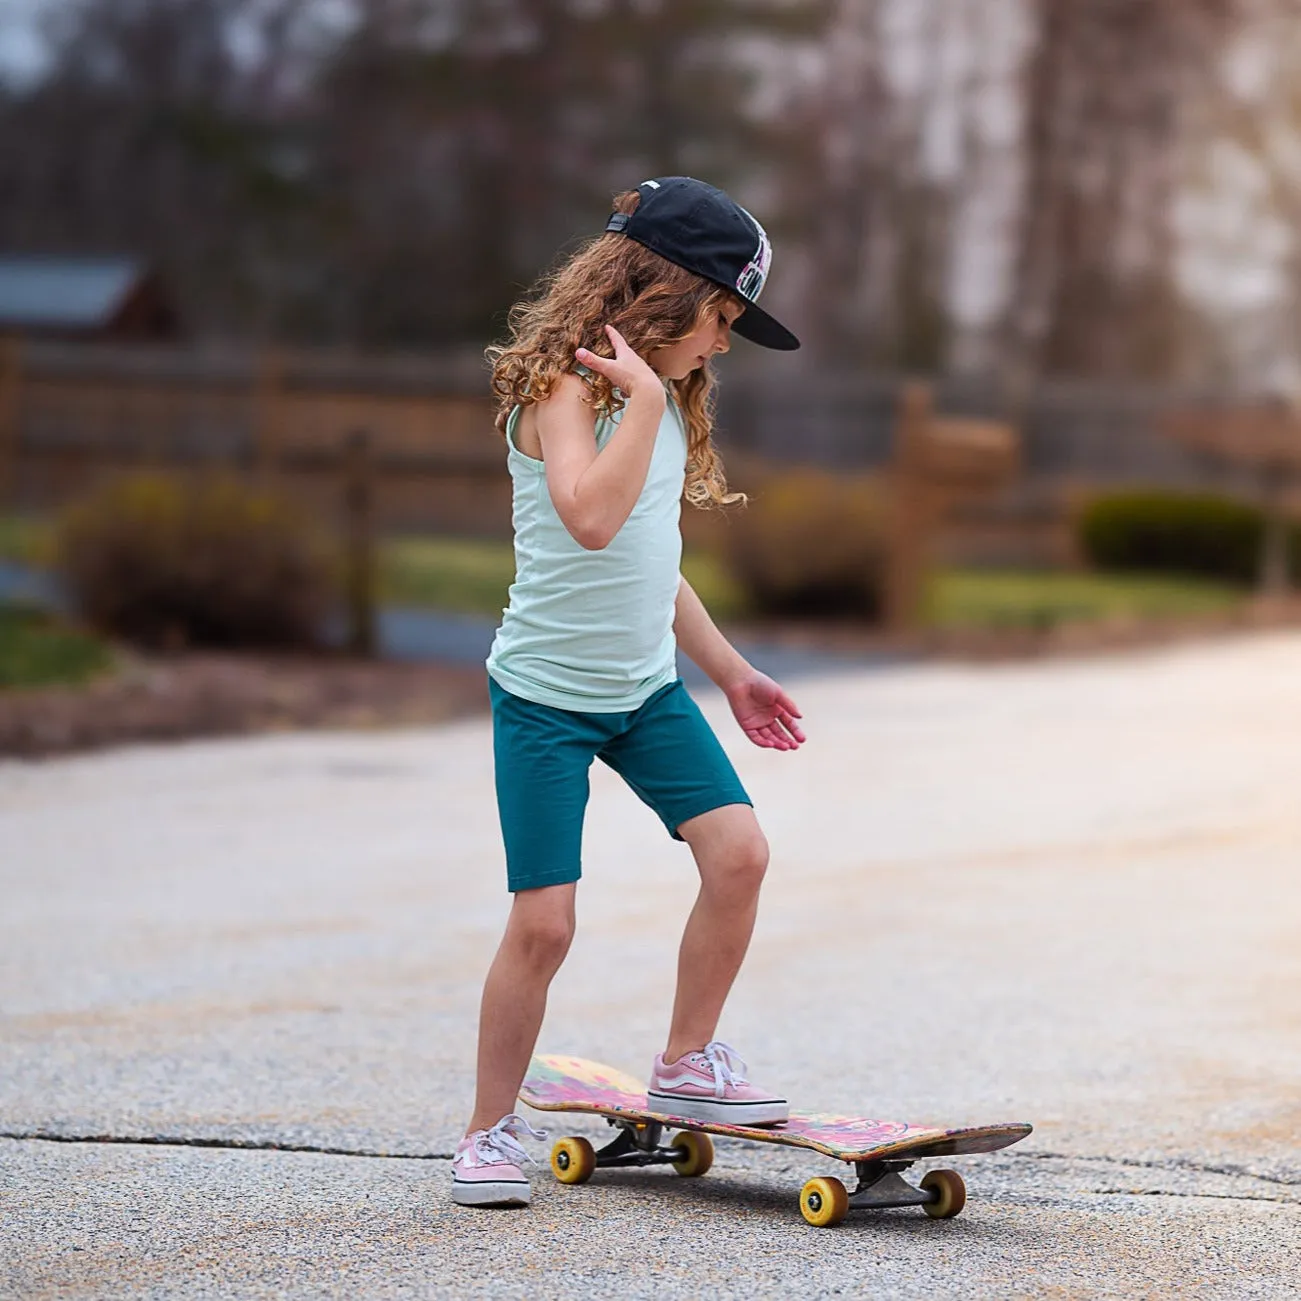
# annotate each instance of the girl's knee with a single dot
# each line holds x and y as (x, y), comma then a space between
(541, 936)
(740, 864)
(753, 858)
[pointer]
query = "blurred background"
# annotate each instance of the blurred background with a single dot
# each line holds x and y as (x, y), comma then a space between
(1043, 255)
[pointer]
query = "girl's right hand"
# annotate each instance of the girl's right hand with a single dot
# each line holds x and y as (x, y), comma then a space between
(625, 370)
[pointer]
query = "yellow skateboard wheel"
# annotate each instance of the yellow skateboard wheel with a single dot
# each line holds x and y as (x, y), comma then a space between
(824, 1201)
(700, 1153)
(951, 1194)
(573, 1160)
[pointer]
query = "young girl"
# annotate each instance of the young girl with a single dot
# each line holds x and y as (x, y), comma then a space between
(601, 451)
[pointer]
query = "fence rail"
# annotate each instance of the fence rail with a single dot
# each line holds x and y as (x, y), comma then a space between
(74, 416)
(71, 415)
(1070, 431)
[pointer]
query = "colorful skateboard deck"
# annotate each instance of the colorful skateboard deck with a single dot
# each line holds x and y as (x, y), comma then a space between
(877, 1148)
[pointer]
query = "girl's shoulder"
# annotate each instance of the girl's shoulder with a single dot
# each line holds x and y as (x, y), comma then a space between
(571, 392)
(568, 407)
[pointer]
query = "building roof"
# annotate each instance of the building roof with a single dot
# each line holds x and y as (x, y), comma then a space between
(57, 293)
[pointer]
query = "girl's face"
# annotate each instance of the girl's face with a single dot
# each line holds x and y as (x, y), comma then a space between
(713, 334)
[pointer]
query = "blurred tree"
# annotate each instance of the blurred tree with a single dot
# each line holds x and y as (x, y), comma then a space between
(152, 133)
(1107, 91)
(876, 221)
(920, 194)
(397, 178)
(396, 184)
(881, 200)
(847, 178)
(469, 141)
(1256, 123)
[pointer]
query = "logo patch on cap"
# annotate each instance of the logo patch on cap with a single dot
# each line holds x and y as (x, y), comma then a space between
(749, 284)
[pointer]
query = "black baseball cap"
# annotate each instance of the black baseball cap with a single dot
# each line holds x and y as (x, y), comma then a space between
(699, 228)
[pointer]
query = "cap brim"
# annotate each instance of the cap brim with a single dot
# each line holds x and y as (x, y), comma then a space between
(756, 325)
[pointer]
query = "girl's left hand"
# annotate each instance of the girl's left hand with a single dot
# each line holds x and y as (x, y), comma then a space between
(625, 370)
(767, 715)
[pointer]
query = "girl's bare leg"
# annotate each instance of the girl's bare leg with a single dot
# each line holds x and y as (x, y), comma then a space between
(732, 855)
(538, 933)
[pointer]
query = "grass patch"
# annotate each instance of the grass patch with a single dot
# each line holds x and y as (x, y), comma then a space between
(26, 539)
(721, 594)
(467, 575)
(38, 649)
(1001, 599)
(473, 576)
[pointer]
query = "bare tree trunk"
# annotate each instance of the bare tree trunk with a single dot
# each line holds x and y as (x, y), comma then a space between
(1107, 87)
(1037, 238)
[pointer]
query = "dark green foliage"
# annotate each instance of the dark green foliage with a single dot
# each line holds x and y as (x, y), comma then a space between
(168, 562)
(1177, 533)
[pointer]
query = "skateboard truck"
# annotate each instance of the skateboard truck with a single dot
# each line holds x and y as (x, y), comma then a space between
(825, 1201)
(638, 1143)
(880, 1185)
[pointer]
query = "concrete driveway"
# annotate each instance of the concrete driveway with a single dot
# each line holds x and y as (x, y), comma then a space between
(239, 985)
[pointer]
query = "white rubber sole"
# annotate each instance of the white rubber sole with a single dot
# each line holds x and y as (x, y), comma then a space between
(771, 1111)
(466, 1192)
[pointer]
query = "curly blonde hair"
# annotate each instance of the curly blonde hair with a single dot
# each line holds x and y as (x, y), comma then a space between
(652, 302)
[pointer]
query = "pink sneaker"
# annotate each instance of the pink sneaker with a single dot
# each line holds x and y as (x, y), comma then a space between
(711, 1085)
(486, 1168)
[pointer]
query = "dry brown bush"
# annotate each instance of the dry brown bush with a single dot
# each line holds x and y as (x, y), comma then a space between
(810, 544)
(164, 561)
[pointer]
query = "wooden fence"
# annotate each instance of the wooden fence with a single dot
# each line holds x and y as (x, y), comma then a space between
(71, 415)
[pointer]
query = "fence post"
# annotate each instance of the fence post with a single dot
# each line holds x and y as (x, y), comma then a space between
(10, 380)
(359, 508)
(910, 510)
(1274, 576)
(267, 417)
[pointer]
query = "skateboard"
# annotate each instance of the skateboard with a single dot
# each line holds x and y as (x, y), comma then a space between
(877, 1149)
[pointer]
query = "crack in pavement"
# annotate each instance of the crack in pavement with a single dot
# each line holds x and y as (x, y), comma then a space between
(228, 1144)
(1172, 1163)
(1167, 1192)
(268, 1145)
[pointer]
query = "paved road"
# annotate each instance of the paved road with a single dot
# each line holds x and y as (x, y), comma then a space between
(1066, 892)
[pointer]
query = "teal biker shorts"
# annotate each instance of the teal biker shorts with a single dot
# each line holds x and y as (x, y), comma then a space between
(664, 750)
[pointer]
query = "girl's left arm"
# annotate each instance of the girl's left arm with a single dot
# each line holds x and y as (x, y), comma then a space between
(766, 714)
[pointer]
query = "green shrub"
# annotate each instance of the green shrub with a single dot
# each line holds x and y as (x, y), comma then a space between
(809, 544)
(173, 562)
(1177, 533)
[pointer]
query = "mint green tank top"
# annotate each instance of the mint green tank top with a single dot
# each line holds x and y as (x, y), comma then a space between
(592, 631)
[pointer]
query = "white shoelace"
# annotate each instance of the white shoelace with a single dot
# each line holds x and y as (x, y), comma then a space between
(501, 1142)
(726, 1064)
